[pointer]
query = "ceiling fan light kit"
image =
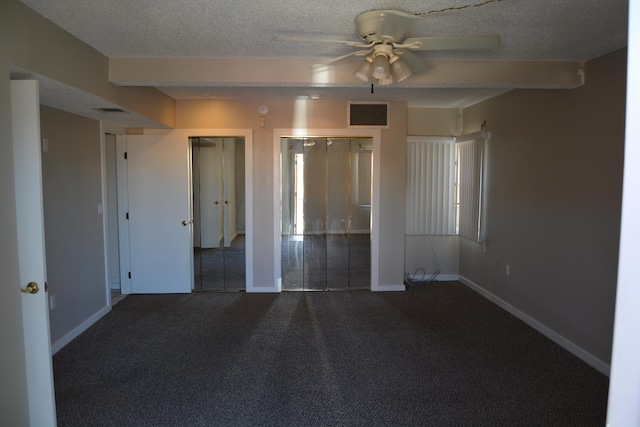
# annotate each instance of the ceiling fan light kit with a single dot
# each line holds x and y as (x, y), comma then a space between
(363, 72)
(380, 67)
(384, 69)
(399, 69)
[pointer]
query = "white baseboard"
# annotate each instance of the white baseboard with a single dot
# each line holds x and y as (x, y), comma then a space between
(388, 288)
(442, 277)
(262, 290)
(58, 345)
(447, 278)
(544, 330)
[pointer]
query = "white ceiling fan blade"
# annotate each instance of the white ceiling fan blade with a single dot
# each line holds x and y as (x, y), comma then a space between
(453, 43)
(349, 55)
(312, 40)
(417, 64)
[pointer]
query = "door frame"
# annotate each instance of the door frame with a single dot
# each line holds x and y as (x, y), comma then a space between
(280, 133)
(247, 134)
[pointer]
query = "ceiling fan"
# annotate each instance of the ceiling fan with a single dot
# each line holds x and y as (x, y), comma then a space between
(388, 56)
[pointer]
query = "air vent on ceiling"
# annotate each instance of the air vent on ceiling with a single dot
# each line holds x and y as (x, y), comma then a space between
(368, 114)
(110, 110)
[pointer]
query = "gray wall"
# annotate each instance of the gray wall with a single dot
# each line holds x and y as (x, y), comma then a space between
(73, 228)
(555, 180)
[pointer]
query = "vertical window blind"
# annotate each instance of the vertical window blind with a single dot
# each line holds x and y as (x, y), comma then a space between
(445, 186)
(471, 163)
(430, 185)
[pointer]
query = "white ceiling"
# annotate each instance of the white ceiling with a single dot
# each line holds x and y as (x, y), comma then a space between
(530, 30)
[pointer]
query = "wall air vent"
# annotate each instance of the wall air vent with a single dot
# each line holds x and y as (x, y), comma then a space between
(368, 114)
(110, 110)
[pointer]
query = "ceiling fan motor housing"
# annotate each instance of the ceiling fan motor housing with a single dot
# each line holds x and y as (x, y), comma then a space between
(389, 26)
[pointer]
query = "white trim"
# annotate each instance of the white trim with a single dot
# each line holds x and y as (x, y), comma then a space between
(277, 214)
(375, 216)
(446, 278)
(123, 208)
(75, 332)
(248, 211)
(388, 288)
(374, 134)
(483, 134)
(105, 207)
(563, 342)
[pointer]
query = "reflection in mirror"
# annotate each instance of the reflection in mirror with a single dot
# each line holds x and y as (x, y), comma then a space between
(326, 210)
(218, 213)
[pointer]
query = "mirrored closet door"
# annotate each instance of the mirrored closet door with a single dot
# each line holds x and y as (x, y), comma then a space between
(218, 213)
(326, 213)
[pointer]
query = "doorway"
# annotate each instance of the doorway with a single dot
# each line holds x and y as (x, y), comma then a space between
(219, 229)
(326, 213)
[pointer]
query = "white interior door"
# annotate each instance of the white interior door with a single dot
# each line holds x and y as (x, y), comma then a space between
(159, 216)
(25, 112)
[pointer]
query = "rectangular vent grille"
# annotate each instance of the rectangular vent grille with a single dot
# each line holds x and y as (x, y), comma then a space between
(368, 114)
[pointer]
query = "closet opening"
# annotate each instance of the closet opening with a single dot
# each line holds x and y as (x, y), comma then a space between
(218, 189)
(326, 213)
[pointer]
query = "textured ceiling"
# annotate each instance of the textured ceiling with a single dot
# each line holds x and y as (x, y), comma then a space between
(529, 30)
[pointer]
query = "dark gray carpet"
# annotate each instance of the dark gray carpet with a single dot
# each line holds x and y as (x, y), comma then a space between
(440, 355)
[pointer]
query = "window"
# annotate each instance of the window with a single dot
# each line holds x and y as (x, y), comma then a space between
(470, 190)
(430, 185)
(445, 186)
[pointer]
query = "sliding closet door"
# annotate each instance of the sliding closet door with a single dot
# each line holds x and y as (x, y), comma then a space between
(314, 252)
(338, 212)
(318, 208)
(218, 213)
(360, 204)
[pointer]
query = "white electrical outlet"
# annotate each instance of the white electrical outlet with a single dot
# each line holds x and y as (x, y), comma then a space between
(52, 302)
(507, 269)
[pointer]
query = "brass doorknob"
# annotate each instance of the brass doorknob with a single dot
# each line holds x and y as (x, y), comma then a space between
(215, 203)
(184, 223)
(32, 288)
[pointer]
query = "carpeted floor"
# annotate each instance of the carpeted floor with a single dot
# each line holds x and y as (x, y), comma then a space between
(440, 355)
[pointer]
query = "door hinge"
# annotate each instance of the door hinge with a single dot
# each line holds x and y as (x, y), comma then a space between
(125, 155)
(129, 275)
(127, 215)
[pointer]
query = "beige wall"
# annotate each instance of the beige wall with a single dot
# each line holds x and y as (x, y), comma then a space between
(555, 184)
(317, 114)
(72, 190)
(37, 45)
(434, 122)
